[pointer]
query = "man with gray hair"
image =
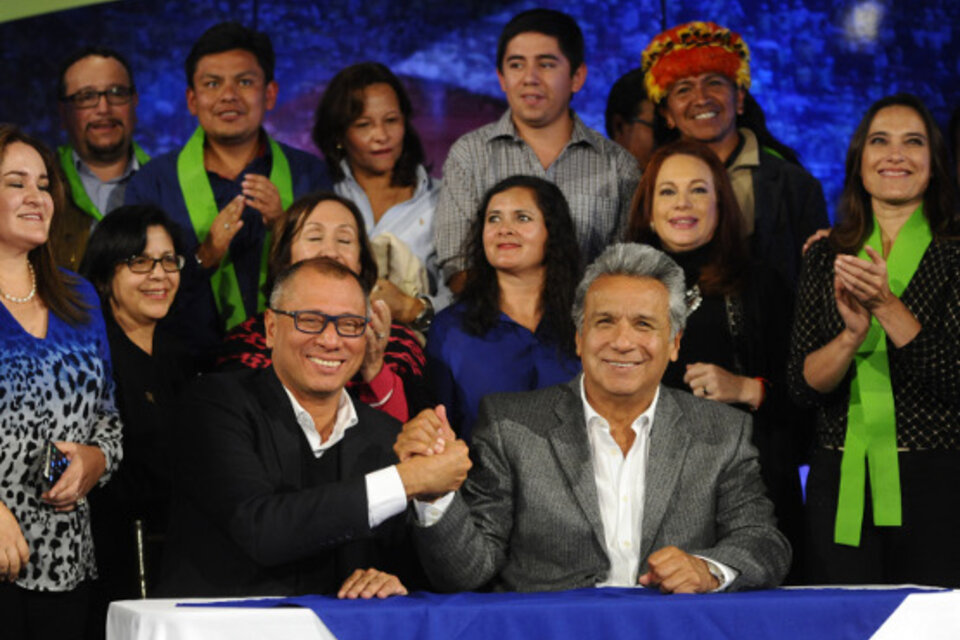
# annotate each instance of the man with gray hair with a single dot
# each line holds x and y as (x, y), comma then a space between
(611, 479)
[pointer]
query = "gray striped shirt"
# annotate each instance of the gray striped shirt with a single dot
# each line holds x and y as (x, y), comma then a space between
(597, 176)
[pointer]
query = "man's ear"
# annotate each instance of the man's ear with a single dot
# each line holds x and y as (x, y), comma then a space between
(579, 78)
(192, 101)
(665, 112)
(270, 326)
(675, 347)
(271, 94)
(617, 123)
(741, 96)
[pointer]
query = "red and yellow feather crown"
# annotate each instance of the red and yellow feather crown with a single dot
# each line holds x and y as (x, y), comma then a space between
(692, 49)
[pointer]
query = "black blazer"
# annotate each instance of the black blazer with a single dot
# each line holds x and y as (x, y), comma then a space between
(242, 522)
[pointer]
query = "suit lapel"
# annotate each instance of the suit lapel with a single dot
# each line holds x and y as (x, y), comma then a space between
(282, 424)
(668, 448)
(571, 447)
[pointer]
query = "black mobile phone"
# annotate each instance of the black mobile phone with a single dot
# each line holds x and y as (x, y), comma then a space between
(54, 464)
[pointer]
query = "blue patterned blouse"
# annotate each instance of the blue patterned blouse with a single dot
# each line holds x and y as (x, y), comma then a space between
(55, 388)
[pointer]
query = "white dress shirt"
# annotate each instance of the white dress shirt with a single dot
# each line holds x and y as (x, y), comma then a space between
(620, 483)
(386, 496)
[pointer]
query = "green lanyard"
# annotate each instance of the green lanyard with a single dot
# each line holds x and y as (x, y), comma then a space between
(78, 193)
(202, 208)
(871, 437)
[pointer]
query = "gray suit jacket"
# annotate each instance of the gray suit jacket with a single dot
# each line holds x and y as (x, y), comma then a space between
(528, 516)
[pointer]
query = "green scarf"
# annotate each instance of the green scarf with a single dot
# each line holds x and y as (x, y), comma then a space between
(202, 208)
(79, 194)
(871, 436)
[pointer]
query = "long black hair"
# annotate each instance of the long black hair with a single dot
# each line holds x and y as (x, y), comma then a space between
(561, 257)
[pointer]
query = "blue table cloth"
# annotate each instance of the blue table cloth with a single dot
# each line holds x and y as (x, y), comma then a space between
(608, 613)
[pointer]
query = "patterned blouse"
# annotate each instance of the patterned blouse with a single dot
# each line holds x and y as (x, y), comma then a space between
(55, 388)
(924, 373)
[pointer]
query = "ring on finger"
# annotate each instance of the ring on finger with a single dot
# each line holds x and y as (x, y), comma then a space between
(381, 336)
(226, 225)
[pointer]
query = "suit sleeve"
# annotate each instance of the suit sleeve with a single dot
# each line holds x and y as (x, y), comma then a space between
(747, 539)
(467, 547)
(228, 459)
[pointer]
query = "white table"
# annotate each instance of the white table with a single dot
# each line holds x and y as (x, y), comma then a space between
(162, 620)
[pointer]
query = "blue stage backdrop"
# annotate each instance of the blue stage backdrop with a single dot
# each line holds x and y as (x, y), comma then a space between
(817, 64)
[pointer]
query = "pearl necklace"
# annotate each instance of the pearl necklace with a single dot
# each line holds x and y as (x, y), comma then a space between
(29, 296)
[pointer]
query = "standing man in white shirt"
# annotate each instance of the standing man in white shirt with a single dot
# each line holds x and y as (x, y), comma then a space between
(98, 104)
(611, 479)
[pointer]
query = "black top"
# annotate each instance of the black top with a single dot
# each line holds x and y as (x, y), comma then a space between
(924, 373)
(147, 389)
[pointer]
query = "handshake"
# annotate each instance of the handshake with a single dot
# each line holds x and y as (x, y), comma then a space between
(433, 461)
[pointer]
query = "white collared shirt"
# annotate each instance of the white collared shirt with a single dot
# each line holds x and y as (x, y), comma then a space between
(620, 483)
(386, 496)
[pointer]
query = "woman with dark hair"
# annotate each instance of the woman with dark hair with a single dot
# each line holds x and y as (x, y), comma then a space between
(56, 398)
(734, 347)
(511, 328)
(325, 224)
(133, 259)
(362, 126)
(875, 347)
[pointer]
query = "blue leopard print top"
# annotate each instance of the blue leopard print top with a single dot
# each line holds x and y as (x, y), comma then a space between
(56, 388)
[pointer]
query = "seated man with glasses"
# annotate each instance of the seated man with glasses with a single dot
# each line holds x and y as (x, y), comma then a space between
(285, 484)
(98, 103)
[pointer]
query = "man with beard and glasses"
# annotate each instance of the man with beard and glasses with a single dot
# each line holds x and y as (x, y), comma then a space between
(98, 103)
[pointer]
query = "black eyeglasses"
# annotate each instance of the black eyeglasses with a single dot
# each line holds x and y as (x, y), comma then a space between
(87, 98)
(145, 264)
(347, 325)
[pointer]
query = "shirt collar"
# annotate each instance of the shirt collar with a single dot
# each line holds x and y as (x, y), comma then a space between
(504, 128)
(133, 165)
(594, 419)
(346, 418)
(423, 179)
(749, 155)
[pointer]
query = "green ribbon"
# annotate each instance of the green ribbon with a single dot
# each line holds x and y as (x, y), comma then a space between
(202, 208)
(871, 437)
(79, 194)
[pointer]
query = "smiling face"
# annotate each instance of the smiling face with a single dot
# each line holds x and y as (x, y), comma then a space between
(704, 108)
(315, 366)
(895, 166)
(142, 299)
(538, 80)
(624, 343)
(230, 96)
(684, 204)
(374, 141)
(101, 133)
(330, 231)
(514, 232)
(26, 206)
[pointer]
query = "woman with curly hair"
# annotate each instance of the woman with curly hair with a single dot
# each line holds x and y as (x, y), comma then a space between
(510, 329)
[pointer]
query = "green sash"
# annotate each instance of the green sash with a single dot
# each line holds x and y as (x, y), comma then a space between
(202, 208)
(80, 197)
(871, 436)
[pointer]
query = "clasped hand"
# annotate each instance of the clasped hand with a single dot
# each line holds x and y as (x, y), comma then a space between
(674, 570)
(87, 464)
(432, 460)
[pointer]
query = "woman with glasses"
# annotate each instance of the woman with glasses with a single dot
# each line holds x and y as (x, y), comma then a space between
(133, 259)
(56, 397)
(328, 225)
